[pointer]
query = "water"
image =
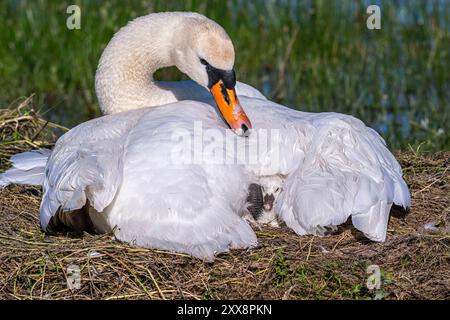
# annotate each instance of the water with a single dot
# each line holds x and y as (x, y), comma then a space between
(309, 55)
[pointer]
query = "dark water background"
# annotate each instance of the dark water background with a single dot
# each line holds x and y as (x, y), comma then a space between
(309, 55)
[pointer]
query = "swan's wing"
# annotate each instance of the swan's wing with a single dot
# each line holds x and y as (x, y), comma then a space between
(335, 167)
(174, 201)
(128, 166)
(86, 165)
(347, 171)
(243, 89)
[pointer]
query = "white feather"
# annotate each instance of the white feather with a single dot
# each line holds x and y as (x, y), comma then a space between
(336, 168)
(27, 168)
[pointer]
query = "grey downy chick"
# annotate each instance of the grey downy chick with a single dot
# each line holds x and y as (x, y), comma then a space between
(261, 200)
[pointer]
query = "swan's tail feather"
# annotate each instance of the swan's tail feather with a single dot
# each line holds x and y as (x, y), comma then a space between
(402, 197)
(28, 168)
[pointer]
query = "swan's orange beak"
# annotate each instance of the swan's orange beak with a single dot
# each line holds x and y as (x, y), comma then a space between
(231, 109)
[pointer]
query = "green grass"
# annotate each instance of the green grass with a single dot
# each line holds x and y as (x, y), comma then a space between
(311, 55)
(324, 280)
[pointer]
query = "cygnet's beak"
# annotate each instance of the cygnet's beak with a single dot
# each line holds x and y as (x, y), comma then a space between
(268, 201)
(221, 85)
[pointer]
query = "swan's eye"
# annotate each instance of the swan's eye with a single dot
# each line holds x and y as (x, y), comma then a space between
(278, 189)
(204, 62)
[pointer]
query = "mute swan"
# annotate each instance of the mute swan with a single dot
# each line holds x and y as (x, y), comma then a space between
(146, 170)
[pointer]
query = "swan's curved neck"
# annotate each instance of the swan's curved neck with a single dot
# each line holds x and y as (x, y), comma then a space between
(124, 77)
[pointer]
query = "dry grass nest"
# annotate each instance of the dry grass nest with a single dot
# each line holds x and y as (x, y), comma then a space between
(413, 262)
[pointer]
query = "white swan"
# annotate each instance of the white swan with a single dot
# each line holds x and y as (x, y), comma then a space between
(166, 177)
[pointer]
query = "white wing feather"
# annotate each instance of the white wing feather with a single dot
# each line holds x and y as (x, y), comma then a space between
(86, 164)
(125, 160)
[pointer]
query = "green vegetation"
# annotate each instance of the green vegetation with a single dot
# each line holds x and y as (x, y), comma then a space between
(312, 55)
(281, 270)
(321, 281)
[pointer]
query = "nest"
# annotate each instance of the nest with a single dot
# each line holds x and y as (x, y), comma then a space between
(23, 129)
(413, 263)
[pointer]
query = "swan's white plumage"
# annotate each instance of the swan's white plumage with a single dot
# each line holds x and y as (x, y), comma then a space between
(124, 160)
(86, 163)
(336, 167)
(339, 168)
(122, 166)
(27, 168)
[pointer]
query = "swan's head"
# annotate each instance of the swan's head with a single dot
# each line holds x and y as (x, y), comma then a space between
(206, 55)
